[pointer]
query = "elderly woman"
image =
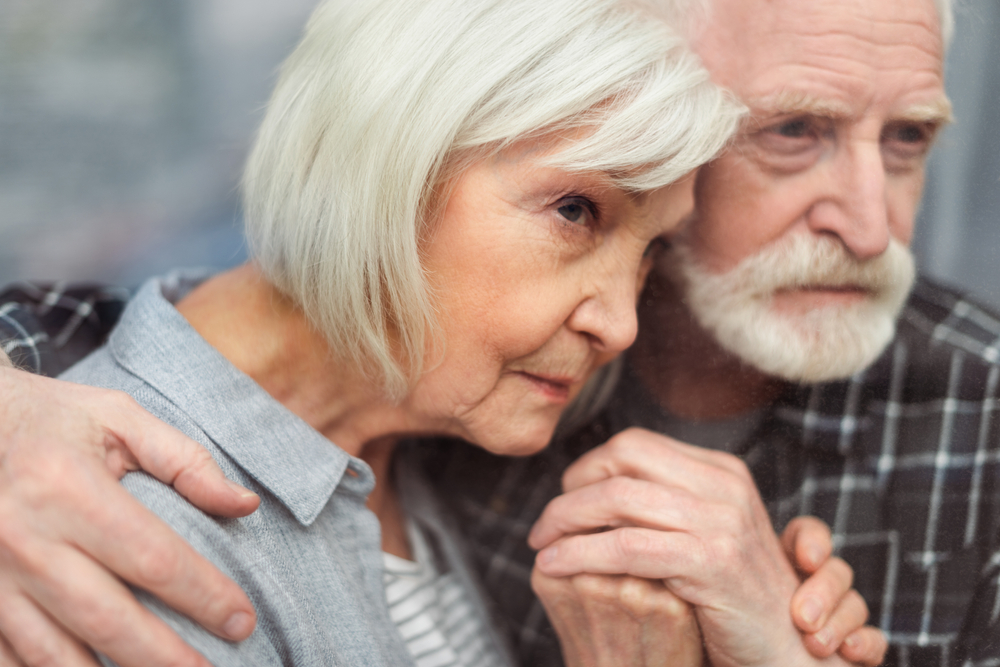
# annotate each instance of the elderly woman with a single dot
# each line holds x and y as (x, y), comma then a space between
(451, 206)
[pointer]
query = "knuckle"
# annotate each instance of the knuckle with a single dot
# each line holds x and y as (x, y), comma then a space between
(843, 572)
(157, 567)
(619, 492)
(737, 465)
(36, 650)
(590, 588)
(541, 584)
(641, 599)
(119, 400)
(100, 626)
(854, 599)
(633, 544)
(627, 441)
(732, 520)
(726, 550)
(41, 482)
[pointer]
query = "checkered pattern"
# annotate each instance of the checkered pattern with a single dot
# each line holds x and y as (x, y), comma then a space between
(46, 328)
(901, 460)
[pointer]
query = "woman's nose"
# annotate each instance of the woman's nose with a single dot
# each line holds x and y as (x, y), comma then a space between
(608, 316)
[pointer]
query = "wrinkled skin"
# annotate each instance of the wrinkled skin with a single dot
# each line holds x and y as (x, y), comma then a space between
(69, 531)
(619, 621)
(648, 506)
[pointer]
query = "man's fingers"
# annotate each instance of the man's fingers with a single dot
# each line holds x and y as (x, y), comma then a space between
(866, 646)
(850, 615)
(822, 595)
(158, 560)
(94, 606)
(807, 543)
(615, 502)
(175, 459)
(35, 640)
(7, 656)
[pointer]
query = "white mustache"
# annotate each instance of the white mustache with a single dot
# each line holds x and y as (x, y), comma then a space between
(806, 260)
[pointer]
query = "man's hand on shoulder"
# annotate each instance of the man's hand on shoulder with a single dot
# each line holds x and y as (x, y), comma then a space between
(69, 533)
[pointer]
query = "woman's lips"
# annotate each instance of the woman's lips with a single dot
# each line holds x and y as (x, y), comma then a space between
(554, 388)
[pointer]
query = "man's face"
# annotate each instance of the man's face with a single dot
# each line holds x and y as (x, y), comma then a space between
(845, 97)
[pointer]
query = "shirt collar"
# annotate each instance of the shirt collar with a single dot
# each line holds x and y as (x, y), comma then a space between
(274, 446)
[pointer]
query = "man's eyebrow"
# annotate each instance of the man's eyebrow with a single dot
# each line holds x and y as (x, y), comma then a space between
(790, 103)
(937, 112)
(797, 102)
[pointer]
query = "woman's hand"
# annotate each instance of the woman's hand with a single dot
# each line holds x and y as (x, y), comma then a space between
(619, 621)
(69, 531)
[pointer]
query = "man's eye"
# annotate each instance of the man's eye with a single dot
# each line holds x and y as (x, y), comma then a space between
(906, 144)
(793, 129)
(907, 133)
(794, 143)
(576, 210)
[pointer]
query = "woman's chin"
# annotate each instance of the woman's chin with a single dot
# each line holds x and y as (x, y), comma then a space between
(519, 442)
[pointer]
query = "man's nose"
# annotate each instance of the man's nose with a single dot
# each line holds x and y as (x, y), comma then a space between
(853, 204)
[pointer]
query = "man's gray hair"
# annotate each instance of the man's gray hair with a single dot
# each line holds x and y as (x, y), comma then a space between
(382, 99)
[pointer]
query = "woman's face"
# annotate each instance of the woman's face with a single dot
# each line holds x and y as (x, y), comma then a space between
(535, 273)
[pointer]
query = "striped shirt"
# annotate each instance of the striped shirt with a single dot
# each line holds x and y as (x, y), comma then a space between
(432, 610)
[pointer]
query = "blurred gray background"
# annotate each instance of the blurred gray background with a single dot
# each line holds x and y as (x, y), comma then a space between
(124, 125)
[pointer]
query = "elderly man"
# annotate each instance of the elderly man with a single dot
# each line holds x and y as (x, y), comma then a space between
(794, 274)
(791, 277)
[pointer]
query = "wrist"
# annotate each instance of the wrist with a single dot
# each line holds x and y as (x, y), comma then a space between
(5, 361)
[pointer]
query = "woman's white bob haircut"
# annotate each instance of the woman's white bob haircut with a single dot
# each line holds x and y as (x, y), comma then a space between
(383, 100)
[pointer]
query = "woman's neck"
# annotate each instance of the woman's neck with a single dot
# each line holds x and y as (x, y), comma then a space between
(262, 333)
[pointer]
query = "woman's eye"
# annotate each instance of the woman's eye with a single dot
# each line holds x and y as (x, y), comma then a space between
(577, 211)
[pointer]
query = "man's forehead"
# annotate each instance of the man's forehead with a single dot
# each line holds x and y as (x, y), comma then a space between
(749, 45)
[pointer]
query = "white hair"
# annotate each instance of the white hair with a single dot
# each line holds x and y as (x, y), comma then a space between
(381, 98)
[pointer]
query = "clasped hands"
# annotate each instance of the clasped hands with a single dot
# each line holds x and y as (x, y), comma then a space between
(661, 553)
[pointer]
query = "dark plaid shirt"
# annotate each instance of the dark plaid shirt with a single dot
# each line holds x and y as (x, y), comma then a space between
(901, 460)
(46, 328)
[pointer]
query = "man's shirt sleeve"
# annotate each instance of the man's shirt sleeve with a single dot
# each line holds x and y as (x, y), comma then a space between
(46, 328)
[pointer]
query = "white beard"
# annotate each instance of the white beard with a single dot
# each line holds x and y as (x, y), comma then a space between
(826, 343)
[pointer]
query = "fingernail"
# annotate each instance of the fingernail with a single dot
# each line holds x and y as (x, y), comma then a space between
(546, 556)
(811, 609)
(815, 555)
(852, 641)
(824, 637)
(242, 491)
(239, 626)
